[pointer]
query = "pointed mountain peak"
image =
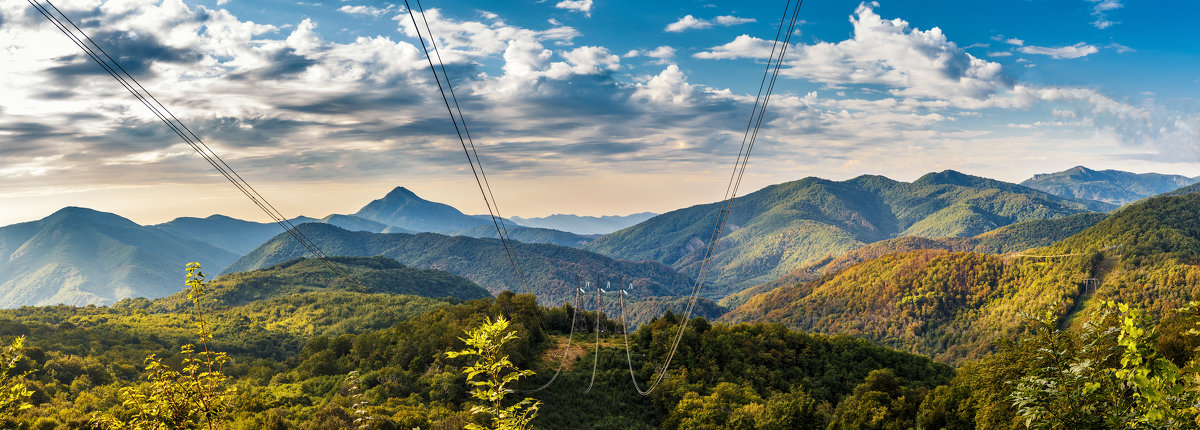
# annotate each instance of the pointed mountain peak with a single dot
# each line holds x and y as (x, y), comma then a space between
(402, 208)
(401, 193)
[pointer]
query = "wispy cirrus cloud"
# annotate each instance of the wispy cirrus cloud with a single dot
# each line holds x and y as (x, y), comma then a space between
(689, 22)
(1061, 52)
(368, 10)
(1100, 12)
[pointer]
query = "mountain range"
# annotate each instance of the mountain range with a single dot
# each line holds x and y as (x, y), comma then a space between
(585, 224)
(551, 271)
(777, 229)
(81, 256)
(1110, 186)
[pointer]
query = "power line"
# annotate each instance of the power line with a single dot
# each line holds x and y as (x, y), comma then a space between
(131, 84)
(567, 350)
(485, 189)
(596, 351)
(774, 63)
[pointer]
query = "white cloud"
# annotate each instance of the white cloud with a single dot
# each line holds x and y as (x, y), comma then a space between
(668, 87)
(999, 54)
(1074, 51)
(662, 53)
(584, 6)
(689, 22)
(912, 62)
(1100, 12)
(728, 20)
(367, 10)
(742, 46)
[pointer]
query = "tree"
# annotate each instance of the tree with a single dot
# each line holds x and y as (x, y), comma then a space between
(194, 396)
(485, 342)
(14, 395)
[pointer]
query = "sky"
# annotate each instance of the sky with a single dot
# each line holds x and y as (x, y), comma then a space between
(590, 107)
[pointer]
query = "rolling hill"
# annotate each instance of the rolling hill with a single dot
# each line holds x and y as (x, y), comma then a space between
(371, 275)
(552, 270)
(81, 256)
(1111, 186)
(783, 227)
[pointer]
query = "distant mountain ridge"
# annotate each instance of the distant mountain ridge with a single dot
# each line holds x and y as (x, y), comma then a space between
(553, 270)
(585, 224)
(81, 256)
(785, 226)
(240, 236)
(1110, 186)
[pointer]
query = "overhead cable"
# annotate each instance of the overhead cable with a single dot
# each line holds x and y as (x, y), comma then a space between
(131, 84)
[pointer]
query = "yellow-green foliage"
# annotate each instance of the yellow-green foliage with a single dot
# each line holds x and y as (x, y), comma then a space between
(14, 394)
(485, 343)
(195, 396)
(950, 305)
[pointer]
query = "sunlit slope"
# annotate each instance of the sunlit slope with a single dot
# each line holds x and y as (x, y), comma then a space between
(783, 227)
(952, 305)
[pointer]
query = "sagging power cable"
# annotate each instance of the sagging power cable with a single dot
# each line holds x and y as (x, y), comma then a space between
(485, 188)
(766, 86)
(114, 69)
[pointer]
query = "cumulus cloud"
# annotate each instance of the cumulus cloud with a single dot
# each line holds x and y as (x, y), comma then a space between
(909, 61)
(292, 104)
(689, 22)
(1061, 52)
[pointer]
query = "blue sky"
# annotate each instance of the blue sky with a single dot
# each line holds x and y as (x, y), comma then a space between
(588, 106)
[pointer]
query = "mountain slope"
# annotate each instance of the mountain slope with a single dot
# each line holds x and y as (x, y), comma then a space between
(529, 235)
(585, 224)
(1112, 186)
(1011, 238)
(231, 234)
(953, 305)
(81, 256)
(402, 208)
(553, 270)
(783, 227)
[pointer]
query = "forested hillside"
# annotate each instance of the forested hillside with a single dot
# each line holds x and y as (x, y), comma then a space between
(953, 305)
(783, 227)
(553, 271)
